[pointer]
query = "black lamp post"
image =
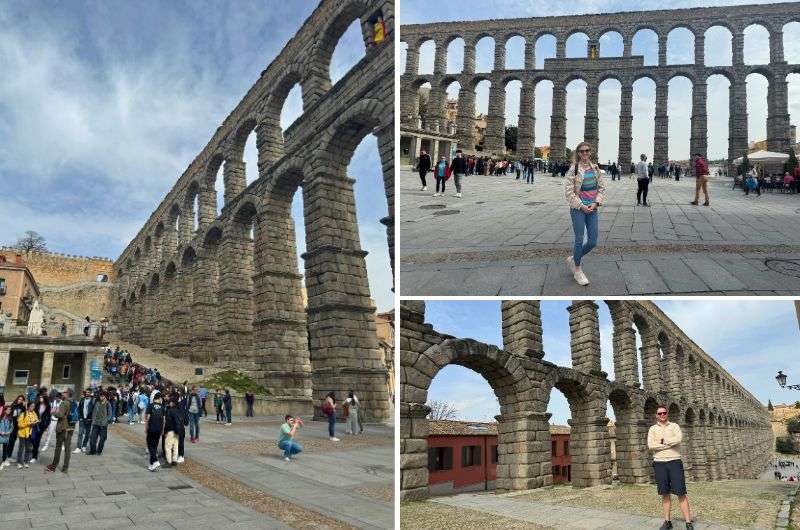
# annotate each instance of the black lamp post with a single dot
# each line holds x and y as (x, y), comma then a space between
(781, 378)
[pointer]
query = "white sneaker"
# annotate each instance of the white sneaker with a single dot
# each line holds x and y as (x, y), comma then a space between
(458, 195)
(44, 448)
(424, 188)
(571, 264)
(76, 451)
(287, 459)
(151, 467)
(26, 465)
(19, 466)
(179, 460)
(334, 439)
(436, 194)
(580, 277)
(32, 461)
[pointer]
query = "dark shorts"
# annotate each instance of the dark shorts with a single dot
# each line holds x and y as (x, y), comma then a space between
(670, 477)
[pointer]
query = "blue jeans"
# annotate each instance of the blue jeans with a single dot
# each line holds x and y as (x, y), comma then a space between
(290, 448)
(194, 425)
(331, 424)
(583, 222)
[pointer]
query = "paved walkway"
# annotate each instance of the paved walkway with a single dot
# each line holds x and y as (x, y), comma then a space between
(561, 517)
(505, 237)
(350, 482)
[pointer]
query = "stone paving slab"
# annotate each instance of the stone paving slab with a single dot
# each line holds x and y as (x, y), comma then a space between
(510, 238)
(561, 517)
(34, 498)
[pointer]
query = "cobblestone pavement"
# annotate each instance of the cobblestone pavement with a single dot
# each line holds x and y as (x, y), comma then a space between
(334, 484)
(506, 237)
(562, 517)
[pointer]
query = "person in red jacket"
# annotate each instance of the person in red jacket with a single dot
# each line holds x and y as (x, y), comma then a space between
(701, 179)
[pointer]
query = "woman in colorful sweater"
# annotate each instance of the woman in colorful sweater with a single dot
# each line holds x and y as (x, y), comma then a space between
(6, 426)
(585, 192)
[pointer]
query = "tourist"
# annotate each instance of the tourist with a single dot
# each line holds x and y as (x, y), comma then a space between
(441, 173)
(87, 324)
(31, 392)
(6, 426)
(751, 182)
(227, 403)
(585, 193)
(518, 168)
(172, 424)
(423, 166)
(17, 409)
(85, 410)
(701, 179)
(642, 181)
(154, 427)
(530, 173)
(663, 440)
(351, 427)
(788, 180)
(203, 393)
(250, 399)
(25, 424)
(193, 408)
(218, 405)
(101, 416)
(55, 401)
(66, 415)
(286, 439)
(796, 178)
(144, 401)
(43, 413)
(329, 409)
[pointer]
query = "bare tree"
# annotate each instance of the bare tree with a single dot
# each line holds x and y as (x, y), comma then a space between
(441, 410)
(31, 242)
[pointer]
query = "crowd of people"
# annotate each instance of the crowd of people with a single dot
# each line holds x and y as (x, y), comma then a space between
(139, 396)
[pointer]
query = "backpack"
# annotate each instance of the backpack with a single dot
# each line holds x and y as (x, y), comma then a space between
(73, 416)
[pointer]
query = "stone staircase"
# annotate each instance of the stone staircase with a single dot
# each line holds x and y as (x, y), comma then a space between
(176, 370)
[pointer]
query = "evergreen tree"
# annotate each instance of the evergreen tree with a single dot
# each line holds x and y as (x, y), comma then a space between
(769, 405)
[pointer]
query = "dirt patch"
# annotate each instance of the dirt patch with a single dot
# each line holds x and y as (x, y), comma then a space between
(378, 492)
(430, 515)
(288, 513)
(268, 446)
(740, 503)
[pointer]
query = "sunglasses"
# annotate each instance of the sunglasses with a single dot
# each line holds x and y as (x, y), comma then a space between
(584, 150)
(661, 413)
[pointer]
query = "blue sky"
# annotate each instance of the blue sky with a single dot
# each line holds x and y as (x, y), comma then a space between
(109, 101)
(751, 339)
(679, 50)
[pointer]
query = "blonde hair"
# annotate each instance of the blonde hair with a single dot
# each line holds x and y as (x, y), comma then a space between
(575, 156)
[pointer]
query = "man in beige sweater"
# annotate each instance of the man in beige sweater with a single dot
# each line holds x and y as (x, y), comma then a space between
(664, 441)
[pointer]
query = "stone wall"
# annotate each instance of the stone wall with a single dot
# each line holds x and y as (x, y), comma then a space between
(626, 69)
(82, 299)
(53, 270)
(726, 429)
(236, 299)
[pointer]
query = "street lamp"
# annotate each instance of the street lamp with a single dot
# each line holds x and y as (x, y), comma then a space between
(781, 378)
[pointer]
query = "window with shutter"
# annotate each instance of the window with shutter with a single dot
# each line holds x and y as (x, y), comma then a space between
(476, 451)
(448, 458)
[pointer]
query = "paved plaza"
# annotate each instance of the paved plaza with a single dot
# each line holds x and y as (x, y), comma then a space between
(234, 478)
(506, 237)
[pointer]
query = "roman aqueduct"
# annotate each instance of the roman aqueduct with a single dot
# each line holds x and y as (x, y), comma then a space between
(727, 431)
(228, 291)
(626, 69)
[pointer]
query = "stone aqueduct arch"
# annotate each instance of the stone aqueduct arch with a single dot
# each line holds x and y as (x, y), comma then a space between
(727, 431)
(626, 69)
(216, 295)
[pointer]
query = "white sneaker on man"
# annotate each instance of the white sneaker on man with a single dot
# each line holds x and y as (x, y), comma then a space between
(152, 467)
(436, 194)
(458, 195)
(287, 459)
(32, 461)
(76, 450)
(424, 188)
(334, 439)
(571, 264)
(179, 460)
(580, 277)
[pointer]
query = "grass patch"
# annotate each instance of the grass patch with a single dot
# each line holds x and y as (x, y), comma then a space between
(432, 515)
(235, 380)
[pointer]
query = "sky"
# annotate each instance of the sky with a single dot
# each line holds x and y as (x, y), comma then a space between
(751, 339)
(109, 101)
(680, 50)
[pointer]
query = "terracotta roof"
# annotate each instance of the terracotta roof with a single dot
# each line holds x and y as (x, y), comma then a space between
(477, 428)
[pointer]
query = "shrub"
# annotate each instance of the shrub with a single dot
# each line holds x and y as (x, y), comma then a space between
(785, 445)
(793, 425)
